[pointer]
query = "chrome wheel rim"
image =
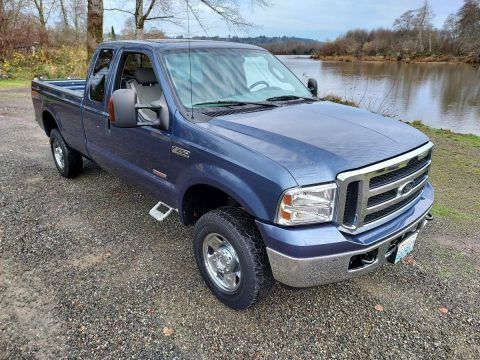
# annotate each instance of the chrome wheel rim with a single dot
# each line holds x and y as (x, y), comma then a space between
(58, 154)
(221, 261)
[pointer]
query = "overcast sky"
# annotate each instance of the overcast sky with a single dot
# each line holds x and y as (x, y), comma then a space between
(316, 19)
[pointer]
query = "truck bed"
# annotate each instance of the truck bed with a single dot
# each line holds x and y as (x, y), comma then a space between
(61, 88)
(63, 99)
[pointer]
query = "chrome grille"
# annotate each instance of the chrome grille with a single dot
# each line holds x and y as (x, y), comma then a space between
(375, 194)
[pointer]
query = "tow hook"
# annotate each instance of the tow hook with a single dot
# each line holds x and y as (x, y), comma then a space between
(429, 217)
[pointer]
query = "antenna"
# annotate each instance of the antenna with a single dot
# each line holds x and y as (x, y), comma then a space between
(190, 56)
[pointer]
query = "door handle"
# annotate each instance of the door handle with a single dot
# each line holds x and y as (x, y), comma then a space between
(106, 124)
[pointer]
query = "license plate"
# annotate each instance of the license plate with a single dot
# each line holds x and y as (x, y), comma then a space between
(405, 247)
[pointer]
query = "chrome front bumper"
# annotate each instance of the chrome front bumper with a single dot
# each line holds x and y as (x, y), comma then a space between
(306, 272)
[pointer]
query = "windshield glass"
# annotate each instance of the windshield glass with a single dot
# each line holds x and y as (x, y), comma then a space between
(237, 75)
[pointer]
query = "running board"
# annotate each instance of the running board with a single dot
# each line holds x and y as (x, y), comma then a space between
(160, 211)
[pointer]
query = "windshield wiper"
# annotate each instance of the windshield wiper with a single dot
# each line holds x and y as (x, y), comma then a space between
(290, 97)
(234, 103)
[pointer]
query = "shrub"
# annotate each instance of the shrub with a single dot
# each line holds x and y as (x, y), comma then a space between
(60, 62)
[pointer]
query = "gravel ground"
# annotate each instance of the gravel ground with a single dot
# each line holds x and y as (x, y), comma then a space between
(85, 272)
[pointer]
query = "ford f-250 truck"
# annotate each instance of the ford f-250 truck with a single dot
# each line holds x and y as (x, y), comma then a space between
(278, 183)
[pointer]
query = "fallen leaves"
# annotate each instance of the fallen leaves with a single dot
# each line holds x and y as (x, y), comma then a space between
(409, 261)
(167, 331)
(443, 310)
(379, 308)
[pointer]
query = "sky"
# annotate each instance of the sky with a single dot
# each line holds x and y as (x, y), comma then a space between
(315, 19)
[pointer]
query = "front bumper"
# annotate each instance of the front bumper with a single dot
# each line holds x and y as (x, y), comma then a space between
(319, 255)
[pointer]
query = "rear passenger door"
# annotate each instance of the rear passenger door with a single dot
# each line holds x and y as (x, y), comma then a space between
(95, 115)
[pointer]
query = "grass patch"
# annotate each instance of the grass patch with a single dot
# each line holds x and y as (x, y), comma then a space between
(339, 100)
(14, 83)
(444, 211)
(467, 138)
(455, 174)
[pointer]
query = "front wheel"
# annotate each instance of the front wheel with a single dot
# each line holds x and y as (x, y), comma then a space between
(231, 257)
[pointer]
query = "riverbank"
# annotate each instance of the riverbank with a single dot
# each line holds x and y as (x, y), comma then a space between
(446, 59)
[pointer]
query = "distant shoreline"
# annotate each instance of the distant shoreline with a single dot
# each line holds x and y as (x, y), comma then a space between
(443, 59)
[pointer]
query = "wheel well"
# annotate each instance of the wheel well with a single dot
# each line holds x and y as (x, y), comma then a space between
(49, 122)
(200, 199)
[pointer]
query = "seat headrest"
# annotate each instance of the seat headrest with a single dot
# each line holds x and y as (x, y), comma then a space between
(145, 76)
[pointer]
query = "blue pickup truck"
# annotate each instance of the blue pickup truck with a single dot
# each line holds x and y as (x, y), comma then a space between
(278, 184)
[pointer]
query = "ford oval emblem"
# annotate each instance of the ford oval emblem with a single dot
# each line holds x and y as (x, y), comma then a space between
(406, 188)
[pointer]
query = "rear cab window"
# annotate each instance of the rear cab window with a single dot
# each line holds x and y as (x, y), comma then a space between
(99, 77)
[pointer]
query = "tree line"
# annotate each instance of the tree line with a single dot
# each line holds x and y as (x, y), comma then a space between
(413, 34)
(26, 23)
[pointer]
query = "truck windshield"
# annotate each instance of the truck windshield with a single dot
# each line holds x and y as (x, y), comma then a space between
(226, 77)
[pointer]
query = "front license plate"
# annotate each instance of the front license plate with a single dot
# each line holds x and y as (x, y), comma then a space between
(405, 247)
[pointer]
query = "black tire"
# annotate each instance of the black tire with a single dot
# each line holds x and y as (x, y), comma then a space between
(72, 159)
(241, 232)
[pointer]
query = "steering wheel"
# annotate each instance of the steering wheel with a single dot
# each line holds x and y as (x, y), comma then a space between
(258, 83)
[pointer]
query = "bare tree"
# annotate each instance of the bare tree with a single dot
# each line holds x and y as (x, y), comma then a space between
(11, 16)
(42, 9)
(78, 16)
(151, 10)
(94, 25)
(468, 25)
(174, 10)
(423, 23)
(412, 26)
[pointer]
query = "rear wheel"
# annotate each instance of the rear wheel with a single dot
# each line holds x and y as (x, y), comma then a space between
(231, 257)
(68, 161)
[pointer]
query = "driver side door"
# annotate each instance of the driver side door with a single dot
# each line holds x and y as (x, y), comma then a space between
(141, 155)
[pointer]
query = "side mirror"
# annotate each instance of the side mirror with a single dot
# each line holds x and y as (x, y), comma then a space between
(313, 86)
(122, 108)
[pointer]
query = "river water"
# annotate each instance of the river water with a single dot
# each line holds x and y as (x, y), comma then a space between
(440, 95)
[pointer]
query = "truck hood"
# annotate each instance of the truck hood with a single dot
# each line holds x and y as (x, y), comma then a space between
(316, 141)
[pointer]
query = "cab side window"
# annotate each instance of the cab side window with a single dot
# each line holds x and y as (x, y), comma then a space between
(99, 77)
(136, 73)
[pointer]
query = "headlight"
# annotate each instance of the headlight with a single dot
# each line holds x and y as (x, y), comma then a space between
(308, 205)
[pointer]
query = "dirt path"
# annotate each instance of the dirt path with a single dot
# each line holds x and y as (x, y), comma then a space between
(86, 273)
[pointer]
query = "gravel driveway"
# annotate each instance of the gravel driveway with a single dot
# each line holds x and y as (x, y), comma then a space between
(85, 272)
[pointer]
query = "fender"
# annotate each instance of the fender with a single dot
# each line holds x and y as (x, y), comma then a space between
(224, 180)
(48, 108)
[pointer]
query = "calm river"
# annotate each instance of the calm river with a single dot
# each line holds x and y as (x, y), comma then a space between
(440, 95)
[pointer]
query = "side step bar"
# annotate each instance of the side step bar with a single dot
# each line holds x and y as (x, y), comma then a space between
(160, 211)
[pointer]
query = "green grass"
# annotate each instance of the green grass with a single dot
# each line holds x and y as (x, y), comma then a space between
(14, 83)
(466, 138)
(455, 175)
(444, 211)
(339, 100)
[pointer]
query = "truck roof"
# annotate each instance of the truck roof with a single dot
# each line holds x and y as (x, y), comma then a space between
(167, 44)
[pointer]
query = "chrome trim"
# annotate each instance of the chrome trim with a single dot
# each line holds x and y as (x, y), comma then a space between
(363, 176)
(305, 272)
(396, 199)
(388, 165)
(396, 184)
(180, 152)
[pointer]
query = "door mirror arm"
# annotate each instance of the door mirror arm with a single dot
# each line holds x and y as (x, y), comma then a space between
(154, 106)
